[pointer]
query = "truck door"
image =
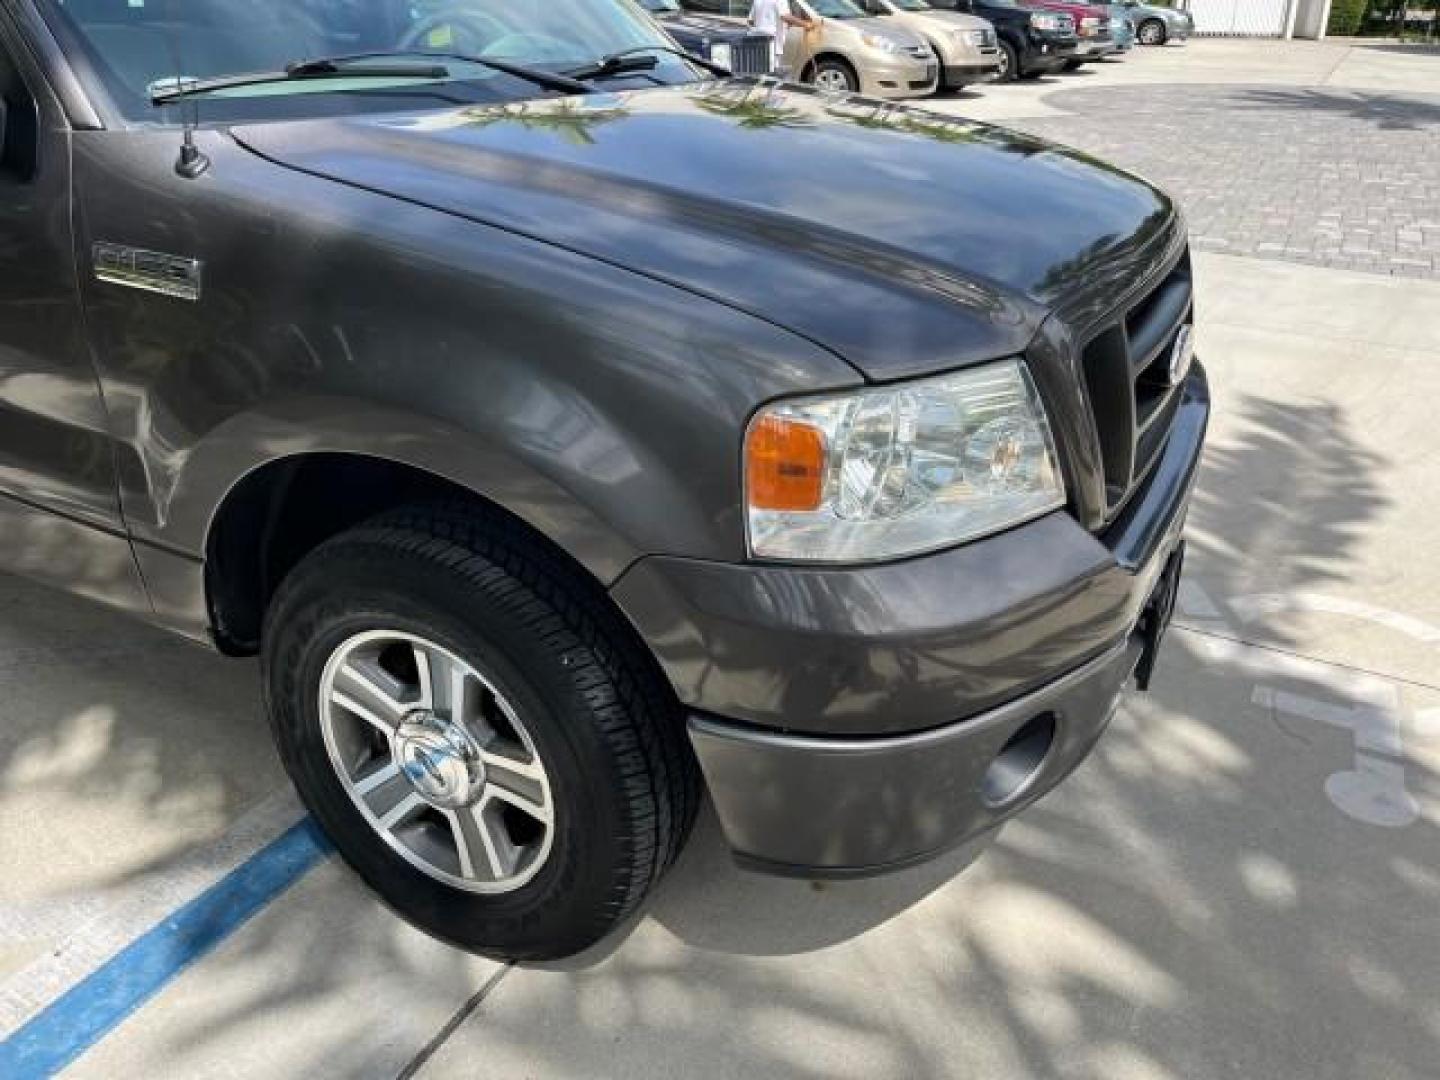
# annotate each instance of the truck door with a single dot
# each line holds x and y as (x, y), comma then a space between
(59, 508)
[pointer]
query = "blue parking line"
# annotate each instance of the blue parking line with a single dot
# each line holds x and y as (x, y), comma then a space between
(80, 1018)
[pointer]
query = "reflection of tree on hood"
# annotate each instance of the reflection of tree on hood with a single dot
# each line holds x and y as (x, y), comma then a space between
(878, 115)
(571, 119)
(1102, 259)
(896, 117)
(755, 106)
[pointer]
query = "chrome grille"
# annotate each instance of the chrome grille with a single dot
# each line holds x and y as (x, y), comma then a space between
(750, 56)
(1127, 374)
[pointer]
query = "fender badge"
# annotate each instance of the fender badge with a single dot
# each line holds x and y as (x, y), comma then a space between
(134, 268)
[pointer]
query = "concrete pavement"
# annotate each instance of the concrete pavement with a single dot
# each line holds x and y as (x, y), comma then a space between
(1222, 62)
(1244, 880)
(1315, 167)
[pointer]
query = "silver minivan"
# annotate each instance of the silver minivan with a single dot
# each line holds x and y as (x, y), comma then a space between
(849, 51)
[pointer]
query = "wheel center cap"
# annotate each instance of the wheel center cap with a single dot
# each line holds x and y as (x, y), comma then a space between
(440, 760)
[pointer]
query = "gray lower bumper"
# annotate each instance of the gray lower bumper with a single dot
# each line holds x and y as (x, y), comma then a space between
(817, 807)
(1093, 50)
(965, 74)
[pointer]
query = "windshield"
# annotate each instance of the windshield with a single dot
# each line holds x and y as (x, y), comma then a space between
(134, 46)
(911, 5)
(836, 9)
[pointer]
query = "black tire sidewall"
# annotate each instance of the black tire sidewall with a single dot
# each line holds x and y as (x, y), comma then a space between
(1012, 60)
(556, 911)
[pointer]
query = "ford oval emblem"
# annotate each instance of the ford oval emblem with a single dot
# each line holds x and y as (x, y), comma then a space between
(1181, 354)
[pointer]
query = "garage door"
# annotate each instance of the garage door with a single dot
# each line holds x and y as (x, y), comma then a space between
(1239, 18)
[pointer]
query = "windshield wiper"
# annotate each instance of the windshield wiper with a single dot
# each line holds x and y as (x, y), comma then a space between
(551, 80)
(165, 91)
(642, 58)
(352, 66)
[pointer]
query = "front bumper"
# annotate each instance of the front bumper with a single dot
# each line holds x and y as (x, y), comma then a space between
(832, 808)
(956, 75)
(1048, 52)
(848, 720)
(904, 77)
(1093, 49)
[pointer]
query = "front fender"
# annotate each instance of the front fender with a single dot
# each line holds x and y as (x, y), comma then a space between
(602, 406)
(244, 444)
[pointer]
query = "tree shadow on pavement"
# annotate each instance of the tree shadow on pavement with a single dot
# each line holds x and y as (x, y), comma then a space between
(1390, 112)
(1190, 904)
(1401, 48)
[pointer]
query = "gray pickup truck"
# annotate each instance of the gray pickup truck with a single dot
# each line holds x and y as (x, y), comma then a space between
(570, 429)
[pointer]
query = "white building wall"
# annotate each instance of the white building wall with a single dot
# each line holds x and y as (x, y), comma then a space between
(1241, 18)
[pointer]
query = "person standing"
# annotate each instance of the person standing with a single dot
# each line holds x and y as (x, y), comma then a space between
(772, 17)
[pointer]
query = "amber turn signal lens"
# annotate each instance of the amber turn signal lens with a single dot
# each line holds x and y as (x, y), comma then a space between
(784, 465)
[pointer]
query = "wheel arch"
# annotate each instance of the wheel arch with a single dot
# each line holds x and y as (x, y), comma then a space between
(279, 511)
(831, 55)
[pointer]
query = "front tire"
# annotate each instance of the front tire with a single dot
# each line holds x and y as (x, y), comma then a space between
(1072, 65)
(1152, 32)
(835, 76)
(477, 731)
(1009, 63)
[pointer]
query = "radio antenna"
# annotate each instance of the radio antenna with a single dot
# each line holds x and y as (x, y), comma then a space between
(192, 162)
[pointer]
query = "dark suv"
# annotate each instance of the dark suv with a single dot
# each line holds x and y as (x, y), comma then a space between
(568, 433)
(1032, 41)
(745, 52)
(1092, 27)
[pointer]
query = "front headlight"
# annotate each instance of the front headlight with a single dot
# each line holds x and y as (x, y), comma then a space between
(1047, 21)
(897, 470)
(975, 38)
(722, 54)
(884, 44)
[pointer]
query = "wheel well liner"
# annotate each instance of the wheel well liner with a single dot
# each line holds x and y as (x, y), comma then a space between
(274, 516)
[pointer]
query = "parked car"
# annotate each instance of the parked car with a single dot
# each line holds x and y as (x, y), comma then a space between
(1092, 27)
(968, 49)
(1031, 42)
(1122, 30)
(1155, 24)
(742, 51)
(558, 428)
(850, 52)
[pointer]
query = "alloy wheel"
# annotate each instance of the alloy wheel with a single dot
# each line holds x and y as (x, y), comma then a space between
(437, 760)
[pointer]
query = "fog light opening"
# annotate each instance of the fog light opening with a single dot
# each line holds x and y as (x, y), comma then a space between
(1019, 760)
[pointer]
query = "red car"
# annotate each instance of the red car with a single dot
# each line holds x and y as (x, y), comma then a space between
(1092, 27)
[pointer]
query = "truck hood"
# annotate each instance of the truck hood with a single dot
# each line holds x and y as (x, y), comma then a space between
(903, 241)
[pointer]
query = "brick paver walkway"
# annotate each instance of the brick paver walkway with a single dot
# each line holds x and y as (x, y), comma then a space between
(1337, 178)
